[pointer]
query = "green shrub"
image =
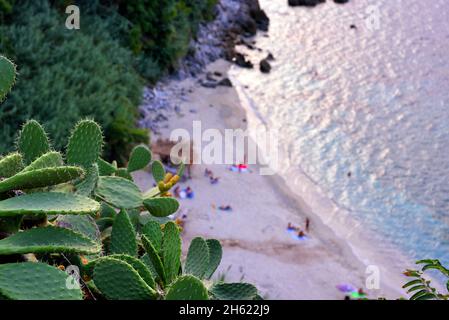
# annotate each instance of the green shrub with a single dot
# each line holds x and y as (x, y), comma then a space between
(67, 75)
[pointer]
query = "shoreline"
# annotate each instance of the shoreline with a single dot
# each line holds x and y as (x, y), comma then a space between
(254, 233)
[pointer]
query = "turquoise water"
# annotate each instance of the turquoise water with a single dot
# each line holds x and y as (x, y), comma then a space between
(364, 112)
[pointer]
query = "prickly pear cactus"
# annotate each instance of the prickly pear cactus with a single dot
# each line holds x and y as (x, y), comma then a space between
(119, 192)
(171, 251)
(48, 203)
(123, 236)
(83, 224)
(10, 165)
(161, 207)
(85, 144)
(33, 141)
(47, 160)
(88, 185)
(36, 281)
(187, 288)
(105, 168)
(158, 171)
(140, 157)
(215, 254)
(154, 259)
(139, 266)
(152, 230)
(48, 240)
(197, 258)
(118, 280)
(40, 178)
(234, 291)
(7, 76)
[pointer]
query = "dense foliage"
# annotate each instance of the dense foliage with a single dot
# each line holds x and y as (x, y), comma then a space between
(96, 72)
(420, 288)
(78, 213)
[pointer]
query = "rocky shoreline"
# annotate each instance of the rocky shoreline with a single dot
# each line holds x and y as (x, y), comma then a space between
(236, 23)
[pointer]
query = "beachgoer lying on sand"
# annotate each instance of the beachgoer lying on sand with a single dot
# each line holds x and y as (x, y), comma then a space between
(292, 227)
(301, 234)
(307, 225)
(186, 193)
(213, 180)
(225, 208)
(208, 173)
(177, 191)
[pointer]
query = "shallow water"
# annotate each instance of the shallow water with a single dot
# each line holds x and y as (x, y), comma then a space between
(363, 113)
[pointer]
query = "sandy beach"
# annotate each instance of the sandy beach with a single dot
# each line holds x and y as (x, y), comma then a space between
(257, 246)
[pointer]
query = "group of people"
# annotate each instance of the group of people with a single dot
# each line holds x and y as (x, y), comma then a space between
(300, 232)
(208, 173)
(186, 193)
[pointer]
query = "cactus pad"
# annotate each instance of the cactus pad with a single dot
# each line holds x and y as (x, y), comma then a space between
(215, 254)
(154, 258)
(87, 186)
(48, 240)
(197, 258)
(47, 160)
(161, 207)
(40, 178)
(123, 236)
(10, 165)
(187, 288)
(119, 192)
(171, 251)
(7, 76)
(152, 230)
(118, 280)
(49, 203)
(139, 266)
(234, 291)
(140, 157)
(33, 141)
(158, 171)
(105, 168)
(85, 144)
(123, 173)
(35, 281)
(84, 225)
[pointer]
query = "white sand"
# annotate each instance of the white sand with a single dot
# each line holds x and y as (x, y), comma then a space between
(256, 244)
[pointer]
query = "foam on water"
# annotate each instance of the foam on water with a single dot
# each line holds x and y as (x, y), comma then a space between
(363, 115)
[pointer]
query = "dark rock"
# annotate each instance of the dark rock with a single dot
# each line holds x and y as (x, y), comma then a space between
(341, 1)
(270, 57)
(265, 66)
(240, 60)
(305, 3)
(259, 15)
(225, 83)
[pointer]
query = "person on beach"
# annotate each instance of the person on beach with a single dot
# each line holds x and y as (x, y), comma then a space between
(307, 225)
(225, 208)
(208, 173)
(301, 234)
(177, 191)
(213, 180)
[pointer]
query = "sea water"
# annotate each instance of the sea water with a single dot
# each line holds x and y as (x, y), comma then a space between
(360, 96)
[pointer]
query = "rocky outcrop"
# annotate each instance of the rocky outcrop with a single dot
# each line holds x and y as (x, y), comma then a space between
(265, 66)
(236, 20)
